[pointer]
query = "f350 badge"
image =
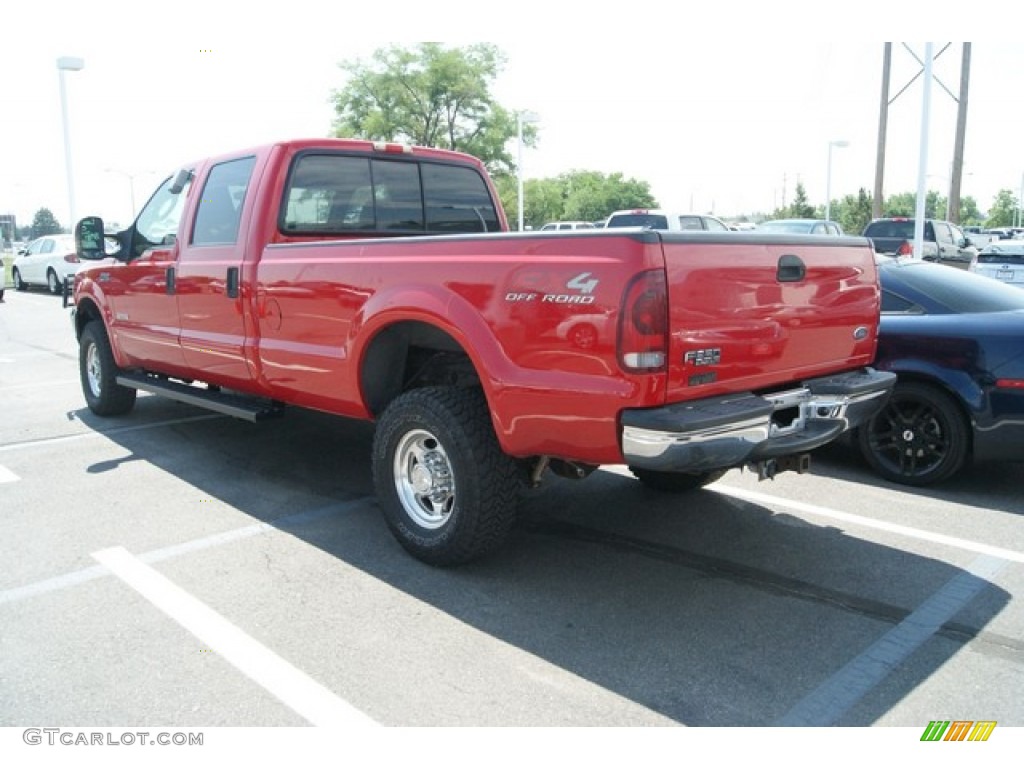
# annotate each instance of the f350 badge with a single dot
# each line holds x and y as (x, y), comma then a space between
(709, 356)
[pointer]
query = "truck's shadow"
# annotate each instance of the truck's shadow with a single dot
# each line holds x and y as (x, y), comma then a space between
(704, 608)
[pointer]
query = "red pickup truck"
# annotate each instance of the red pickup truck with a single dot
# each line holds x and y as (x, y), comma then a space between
(379, 281)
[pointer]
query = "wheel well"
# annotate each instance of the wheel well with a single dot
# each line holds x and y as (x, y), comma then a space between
(410, 355)
(85, 313)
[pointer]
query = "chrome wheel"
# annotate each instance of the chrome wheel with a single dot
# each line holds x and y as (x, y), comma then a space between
(424, 479)
(93, 370)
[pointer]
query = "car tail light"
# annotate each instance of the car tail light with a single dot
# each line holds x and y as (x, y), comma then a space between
(905, 249)
(643, 323)
(1010, 383)
(71, 258)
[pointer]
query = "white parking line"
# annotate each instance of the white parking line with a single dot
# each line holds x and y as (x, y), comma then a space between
(83, 575)
(1011, 555)
(6, 476)
(289, 684)
(116, 431)
(38, 384)
(858, 677)
(768, 500)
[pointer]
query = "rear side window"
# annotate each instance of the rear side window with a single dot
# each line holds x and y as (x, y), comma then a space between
(337, 194)
(220, 206)
(649, 220)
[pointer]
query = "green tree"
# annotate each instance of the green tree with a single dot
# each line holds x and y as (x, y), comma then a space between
(853, 212)
(592, 195)
(431, 96)
(969, 213)
(44, 223)
(799, 208)
(1003, 209)
(576, 195)
(905, 204)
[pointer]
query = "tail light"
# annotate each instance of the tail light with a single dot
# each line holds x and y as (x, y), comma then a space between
(643, 323)
(71, 258)
(905, 249)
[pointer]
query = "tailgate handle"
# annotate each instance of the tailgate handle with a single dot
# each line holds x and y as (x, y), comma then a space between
(791, 269)
(232, 287)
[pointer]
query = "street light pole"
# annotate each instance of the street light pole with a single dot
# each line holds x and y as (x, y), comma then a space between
(68, 64)
(521, 117)
(828, 176)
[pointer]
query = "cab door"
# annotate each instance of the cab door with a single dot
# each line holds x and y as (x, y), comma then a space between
(209, 285)
(140, 292)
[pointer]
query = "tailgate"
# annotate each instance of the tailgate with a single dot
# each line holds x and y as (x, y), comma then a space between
(752, 312)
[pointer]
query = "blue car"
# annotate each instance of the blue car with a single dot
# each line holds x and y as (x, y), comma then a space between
(955, 340)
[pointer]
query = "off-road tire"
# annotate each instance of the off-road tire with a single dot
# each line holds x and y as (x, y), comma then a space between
(447, 491)
(98, 373)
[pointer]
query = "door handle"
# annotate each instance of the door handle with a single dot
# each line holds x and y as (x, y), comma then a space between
(171, 285)
(232, 284)
(791, 269)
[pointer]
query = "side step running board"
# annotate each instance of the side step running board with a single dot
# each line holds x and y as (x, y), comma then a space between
(239, 406)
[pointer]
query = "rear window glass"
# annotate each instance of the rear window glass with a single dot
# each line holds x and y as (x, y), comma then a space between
(956, 290)
(904, 229)
(338, 194)
(650, 220)
(999, 255)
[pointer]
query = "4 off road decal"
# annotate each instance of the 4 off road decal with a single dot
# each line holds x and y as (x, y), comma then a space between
(583, 283)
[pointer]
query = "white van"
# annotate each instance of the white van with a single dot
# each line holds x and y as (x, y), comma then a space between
(655, 218)
(560, 225)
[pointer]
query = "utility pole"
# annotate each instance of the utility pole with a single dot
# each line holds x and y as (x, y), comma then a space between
(883, 121)
(957, 171)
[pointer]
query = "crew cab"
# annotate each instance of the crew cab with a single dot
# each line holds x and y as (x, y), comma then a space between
(942, 241)
(379, 282)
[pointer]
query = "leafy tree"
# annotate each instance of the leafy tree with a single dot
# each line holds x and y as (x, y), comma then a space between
(431, 96)
(591, 195)
(853, 212)
(799, 208)
(969, 213)
(576, 195)
(905, 204)
(1003, 209)
(44, 223)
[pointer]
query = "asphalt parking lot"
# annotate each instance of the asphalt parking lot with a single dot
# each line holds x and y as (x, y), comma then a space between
(180, 568)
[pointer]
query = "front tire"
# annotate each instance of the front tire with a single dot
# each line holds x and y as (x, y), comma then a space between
(98, 372)
(676, 482)
(447, 491)
(919, 438)
(19, 284)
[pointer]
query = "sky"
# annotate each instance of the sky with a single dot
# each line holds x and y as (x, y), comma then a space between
(714, 111)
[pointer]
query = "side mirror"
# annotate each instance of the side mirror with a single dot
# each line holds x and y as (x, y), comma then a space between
(89, 242)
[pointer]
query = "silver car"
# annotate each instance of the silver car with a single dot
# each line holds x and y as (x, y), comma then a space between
(1002, 260)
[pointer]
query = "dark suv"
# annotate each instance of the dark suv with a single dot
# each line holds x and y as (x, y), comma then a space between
(943, 240)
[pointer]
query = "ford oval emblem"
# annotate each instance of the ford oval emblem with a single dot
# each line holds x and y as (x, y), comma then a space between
(861, 333)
